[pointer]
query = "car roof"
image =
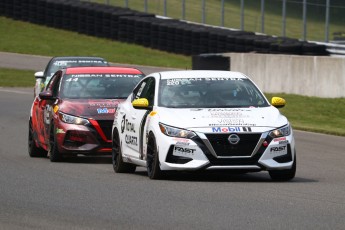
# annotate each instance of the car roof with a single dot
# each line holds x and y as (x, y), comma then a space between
(101, 70)
(78, 58)
(201, 74)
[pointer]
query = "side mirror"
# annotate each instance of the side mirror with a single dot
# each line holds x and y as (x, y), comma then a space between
(140, 103)
(278, 102)
(45, 95)
(39, 74)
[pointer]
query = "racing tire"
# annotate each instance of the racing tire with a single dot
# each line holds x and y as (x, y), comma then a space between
(284, 175)
(118, 165)
(54, 154)
(152, 160)
(33, 150)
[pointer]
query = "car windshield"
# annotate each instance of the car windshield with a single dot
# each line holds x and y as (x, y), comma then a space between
(59, 64)
(209, 93)
(105, 86)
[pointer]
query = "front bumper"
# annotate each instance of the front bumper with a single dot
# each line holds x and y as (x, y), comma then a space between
(256, 152)
(91, 139)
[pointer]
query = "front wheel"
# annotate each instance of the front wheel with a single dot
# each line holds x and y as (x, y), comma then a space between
(118, 164)
(33, 150)
(54, 154)
(284, 175)
(152, 161)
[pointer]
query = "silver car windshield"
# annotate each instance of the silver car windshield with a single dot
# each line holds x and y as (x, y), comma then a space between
(59, 64)
(209, 93)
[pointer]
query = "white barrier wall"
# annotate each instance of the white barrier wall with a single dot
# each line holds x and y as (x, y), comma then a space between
(317, 76)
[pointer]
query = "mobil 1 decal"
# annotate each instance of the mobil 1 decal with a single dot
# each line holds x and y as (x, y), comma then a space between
(231, 129)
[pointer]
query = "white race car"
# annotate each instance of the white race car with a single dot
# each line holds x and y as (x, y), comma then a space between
(202, 120)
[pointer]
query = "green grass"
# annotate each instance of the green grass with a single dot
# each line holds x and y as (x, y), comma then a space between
(324, 115)
(27, 38)
(16, 78)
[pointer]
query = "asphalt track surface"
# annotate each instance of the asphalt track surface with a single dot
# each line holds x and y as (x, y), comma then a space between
(85, 193)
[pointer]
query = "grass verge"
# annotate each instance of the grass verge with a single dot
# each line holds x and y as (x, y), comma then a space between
(16, 78)
(323, 115)
(27, 38)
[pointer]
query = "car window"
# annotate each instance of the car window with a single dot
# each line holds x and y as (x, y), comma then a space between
(209, 93)
(55, 65)
(53, 84)
(146, 90)
(110, 86)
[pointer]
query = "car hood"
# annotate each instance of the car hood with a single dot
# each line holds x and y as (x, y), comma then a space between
(98, 109)
(256, 119)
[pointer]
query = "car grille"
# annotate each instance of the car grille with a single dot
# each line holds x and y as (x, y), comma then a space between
(223, 148)
(106, 126)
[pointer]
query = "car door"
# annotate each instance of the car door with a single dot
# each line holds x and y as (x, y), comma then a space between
(133, 120)
(46, 106)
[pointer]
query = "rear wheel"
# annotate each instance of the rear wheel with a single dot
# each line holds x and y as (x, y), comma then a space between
(284, 175)
(33, 150)
(152, 161)
(118, 164)
(54, 154)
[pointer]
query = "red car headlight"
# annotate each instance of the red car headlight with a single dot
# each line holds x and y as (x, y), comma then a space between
(73, 119)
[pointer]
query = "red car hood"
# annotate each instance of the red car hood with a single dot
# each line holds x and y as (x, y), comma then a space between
(98, 109)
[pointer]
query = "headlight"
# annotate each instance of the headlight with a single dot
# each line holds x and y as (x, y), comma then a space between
(176, 132)
(281, 132)
(72, 119)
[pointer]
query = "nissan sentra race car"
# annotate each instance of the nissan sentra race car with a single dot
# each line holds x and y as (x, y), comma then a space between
(56, 63)
(74, 113)
(202, 120)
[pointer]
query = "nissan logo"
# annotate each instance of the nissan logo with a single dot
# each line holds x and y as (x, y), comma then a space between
(234, 139)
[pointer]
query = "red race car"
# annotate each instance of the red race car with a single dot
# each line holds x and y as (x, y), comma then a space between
(75, 112)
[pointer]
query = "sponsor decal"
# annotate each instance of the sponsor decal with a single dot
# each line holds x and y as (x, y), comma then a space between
(76, 76)
(105, 103)
(223, 79)
(279, 139)
(278, 149)
(126, 125)
(228, 109)
(66, 62)
(183, 151)
(225, 129)
(231, 129)
(235, 122)
(140, 90)
(181, 141)
(131, 140)
(105, 110)
(188, 81)
(58, 131)
(227, 114)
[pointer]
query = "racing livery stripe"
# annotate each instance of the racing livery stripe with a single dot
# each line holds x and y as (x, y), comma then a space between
(141, 136)
(99, 130)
